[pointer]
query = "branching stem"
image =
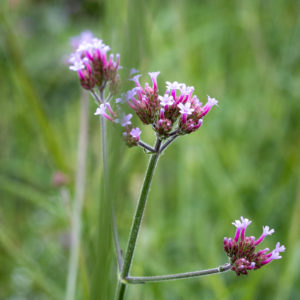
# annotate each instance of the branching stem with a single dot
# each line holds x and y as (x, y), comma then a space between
(138, 280)
(137, 220)
(146, 146)
(167, 143)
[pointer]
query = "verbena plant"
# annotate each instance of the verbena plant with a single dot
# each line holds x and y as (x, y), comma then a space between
(171, 114)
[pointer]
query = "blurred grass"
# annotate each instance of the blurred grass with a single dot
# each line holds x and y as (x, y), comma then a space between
(245, 160)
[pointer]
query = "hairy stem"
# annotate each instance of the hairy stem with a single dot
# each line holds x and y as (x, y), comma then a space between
(138, 280)
(137, 220)
(78, 198)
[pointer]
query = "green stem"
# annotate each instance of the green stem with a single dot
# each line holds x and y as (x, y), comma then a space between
(135, 227)
(137, 280)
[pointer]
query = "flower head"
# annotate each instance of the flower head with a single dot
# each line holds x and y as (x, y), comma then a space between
(176, 110)
(242, 253)
(90, 61)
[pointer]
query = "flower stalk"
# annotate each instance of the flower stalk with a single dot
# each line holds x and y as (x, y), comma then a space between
(186, 275)
(136, 224)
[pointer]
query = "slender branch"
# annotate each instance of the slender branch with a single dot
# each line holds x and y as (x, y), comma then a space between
(101, 89)
(78, 198)
(96, 97)
(146, 146)
(174, 132)
(137, 220)
(167, 143)
(137, 280)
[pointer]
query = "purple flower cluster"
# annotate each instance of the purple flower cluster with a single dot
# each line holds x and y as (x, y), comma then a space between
(174, 113)
(90, 61)
(242, 252)
(177, 109)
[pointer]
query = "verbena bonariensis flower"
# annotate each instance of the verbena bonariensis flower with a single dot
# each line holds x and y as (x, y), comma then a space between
(241, 249)
(175, 112)
(90, 61)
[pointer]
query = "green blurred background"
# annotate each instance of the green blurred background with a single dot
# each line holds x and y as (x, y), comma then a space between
(245, 160)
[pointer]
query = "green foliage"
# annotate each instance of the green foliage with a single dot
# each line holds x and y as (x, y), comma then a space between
(243, 161)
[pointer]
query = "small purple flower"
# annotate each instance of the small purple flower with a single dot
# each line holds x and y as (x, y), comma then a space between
(209, 104)
(76, 63)
(153, 76)
(133, 71)
(186, 90)
(101, 110)
(125, 121)
(266, 231)
(166, 100)
(135, 133)
(241, 227)
(136, 80)
(279, 248)
(242, 253)
(173, 85)
(185, 108)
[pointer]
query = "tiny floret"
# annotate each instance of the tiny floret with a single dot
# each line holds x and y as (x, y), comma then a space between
(125, 121)
(185, 108)
(267, 230)
(76, 63)
(275, 255)
(242, 224)
(133, 71)
(212, 101)
(101, 110)
(153, 75)
(166, 100)
(279, 248)
(173, 85)
(135, 132)
(136, 78)
(237, 224)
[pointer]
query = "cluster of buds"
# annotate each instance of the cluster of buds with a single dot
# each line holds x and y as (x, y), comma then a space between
(243, 257)
(176, 112)
(90, 61)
